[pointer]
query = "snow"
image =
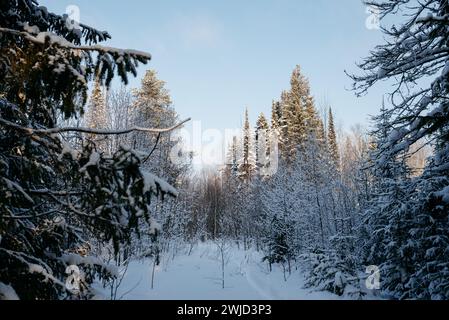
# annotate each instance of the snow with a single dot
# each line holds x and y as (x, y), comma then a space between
(445, 70)
(7, 292)
(41, 37)
(151, 183)
(11, 185)
(76, 259)
(67, 149)
(53, 38)
(31, 29)
(35, 268)
(154, 226)
(415, 124)
(444, 194)
(381, 72)
(198, 276)
(396, 135)
(94, 158)
(438, 111)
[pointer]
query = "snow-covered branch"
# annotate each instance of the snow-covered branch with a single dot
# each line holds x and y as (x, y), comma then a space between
(61, 42)
(92, 131)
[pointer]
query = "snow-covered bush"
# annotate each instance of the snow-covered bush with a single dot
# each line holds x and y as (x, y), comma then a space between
(328, 271)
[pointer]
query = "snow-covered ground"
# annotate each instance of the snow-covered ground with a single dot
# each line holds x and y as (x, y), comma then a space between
(198, 276)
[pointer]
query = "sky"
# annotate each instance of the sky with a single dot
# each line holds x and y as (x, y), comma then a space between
(220, 57)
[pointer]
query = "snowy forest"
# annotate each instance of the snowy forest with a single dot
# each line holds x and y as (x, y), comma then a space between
(93, 195)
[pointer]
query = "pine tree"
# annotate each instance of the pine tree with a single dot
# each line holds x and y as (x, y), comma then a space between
(262, 123)
(332, 142)
(152, 100)
(387, 218)
(312, 120)
(278, 130)
(262, 144)
(232, 158)
(97, 117)
(152, 108)
(276, 115)
(294, 112)
(278, 248)
(322, 134)
(247, 163)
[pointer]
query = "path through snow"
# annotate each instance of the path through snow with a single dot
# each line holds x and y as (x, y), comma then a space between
(198, 276)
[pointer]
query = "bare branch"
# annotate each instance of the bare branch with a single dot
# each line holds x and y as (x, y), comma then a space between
(154, 148)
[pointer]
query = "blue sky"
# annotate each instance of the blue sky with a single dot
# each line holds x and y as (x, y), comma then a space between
(219, 57)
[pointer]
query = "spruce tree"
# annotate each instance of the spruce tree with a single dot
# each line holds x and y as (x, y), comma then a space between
(278, 247)
(322, 134)
(332, 142)
(262, 123)
(415, 53)
(232, 158)
(294, 112)
(152, 108)
(312, 120)
(262, 144)
(97, 117)
(247, 162)
(153, 102)
(278, 126)
(276, 115)
(387, 219)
